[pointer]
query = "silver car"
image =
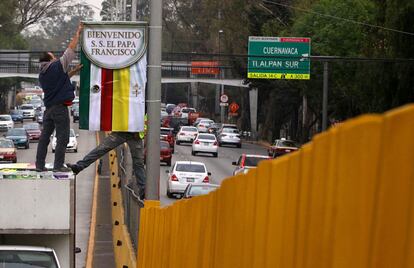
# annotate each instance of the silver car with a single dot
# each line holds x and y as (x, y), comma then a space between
(204, 125)
(183, 173)
(205, 143)
(186, 134)
(229, 136)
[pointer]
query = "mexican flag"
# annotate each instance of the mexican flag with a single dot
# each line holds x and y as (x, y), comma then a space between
(112, 100)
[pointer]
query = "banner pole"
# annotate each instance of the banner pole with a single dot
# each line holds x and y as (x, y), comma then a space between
(154, 101)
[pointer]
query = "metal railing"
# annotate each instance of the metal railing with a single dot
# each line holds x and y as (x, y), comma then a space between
(131, 203)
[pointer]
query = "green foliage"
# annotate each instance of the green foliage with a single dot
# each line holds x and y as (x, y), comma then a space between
(10, 37)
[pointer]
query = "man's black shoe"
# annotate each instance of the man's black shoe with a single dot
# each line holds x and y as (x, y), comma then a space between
(41, 169)
(141, 193)
(75, 168)
(62, 169)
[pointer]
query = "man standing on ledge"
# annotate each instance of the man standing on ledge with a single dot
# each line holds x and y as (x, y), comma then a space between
(58, 91)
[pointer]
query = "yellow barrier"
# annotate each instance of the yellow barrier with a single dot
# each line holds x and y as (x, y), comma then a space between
(123, 250)
(346, 199)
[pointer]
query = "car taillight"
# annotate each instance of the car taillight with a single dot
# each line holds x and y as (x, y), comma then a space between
(10, 153)
(196, 142)
(206, 179)
(174, 178)
(215, 143)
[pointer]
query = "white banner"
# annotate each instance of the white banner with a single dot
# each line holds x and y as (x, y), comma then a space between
(114, 46)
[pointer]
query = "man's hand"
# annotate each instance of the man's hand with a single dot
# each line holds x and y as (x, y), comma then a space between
(75, 39)
(75, 70)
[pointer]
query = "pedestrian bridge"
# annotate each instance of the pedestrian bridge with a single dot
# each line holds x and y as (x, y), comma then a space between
(345, 199)
(25, 64)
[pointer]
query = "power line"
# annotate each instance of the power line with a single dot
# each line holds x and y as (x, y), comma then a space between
(338, 18)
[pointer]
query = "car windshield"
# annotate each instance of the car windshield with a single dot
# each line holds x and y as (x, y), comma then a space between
(26, 107)
(287, 144)
(190, 168)
(16, 132)
(72, 133)
(15, 112)
(188, 110)
(190, 129)
(252, 161)
(206, 137)
(200, 190)
(216, 125)
(5, 118)
(31, 126)
(6, 144)
(230, 130)
(164, 145)
(27, 259)
(165, 131)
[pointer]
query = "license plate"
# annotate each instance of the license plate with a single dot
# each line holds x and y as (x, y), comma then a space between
(190, 179)
(287, 151)
(206, 143)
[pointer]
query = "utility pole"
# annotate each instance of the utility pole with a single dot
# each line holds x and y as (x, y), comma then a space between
(221, 77)
(325, 96)
(154, 101)
(133, 10)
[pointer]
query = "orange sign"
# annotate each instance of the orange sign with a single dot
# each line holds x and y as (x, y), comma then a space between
(233, 107)
(205, 67)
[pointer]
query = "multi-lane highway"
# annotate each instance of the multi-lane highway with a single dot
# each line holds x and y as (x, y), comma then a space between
(220, 167)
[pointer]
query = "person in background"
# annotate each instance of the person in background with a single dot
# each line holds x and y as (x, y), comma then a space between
(58, 91)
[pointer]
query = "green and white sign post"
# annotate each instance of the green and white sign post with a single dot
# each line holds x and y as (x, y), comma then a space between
(279, 57)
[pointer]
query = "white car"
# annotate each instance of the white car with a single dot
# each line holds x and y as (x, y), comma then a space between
(186, 134)
(73, 141)
(28, 111)
(229, 136)
(204, 125)
(185, 111)
(6, 122)
(28, 256)
(205, 143)
(183, 173)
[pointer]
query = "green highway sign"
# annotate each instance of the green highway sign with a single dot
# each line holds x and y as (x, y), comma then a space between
(279, 57)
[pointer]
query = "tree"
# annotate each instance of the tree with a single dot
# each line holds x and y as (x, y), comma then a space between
(9, 35)
(59, 29)
(30, 12)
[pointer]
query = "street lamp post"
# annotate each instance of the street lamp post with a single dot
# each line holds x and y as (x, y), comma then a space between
(220, 32)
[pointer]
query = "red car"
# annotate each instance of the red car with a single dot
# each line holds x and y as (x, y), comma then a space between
(33, 129)
(165, 153)
(7, 151)
(166, 134)
(247, 162)
(281, 147)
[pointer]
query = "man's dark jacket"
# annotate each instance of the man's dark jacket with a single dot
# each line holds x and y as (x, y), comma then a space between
(56, 84)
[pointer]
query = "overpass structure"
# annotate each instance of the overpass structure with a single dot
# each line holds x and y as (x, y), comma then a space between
(25, 64)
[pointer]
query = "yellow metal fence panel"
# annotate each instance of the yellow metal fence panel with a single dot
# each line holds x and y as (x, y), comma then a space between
(346, 199)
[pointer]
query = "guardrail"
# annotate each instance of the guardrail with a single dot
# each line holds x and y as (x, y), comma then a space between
(125, 212)
(346, 199)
